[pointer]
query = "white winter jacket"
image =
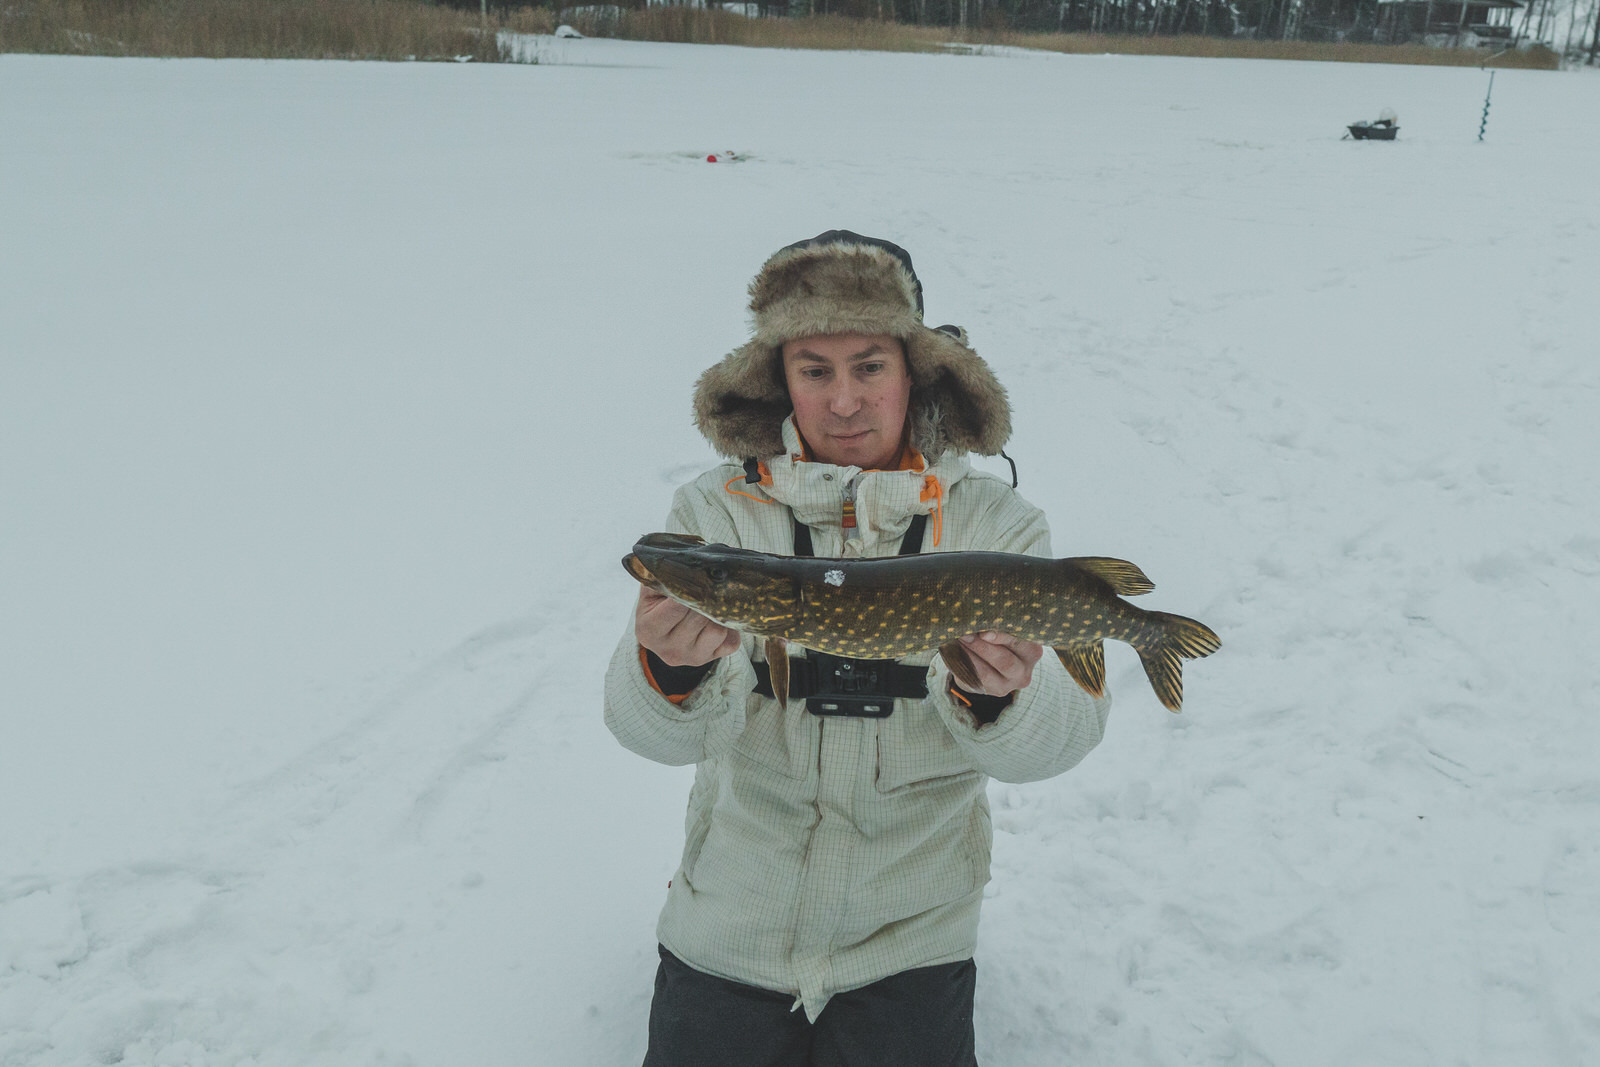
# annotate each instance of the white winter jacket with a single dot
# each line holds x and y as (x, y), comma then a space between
(822, 854)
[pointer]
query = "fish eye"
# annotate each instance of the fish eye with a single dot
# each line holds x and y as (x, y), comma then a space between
(717, 573)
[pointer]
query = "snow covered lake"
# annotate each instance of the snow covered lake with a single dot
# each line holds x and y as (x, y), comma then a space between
(331, 395)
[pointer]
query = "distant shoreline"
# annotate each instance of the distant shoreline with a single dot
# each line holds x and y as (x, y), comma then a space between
(412, 30)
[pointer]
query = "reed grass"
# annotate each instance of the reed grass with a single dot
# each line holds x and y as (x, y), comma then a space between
(696, 25)
(530, 20)
(256, 29)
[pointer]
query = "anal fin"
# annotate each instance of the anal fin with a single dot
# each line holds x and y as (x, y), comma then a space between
(1087, 666)
(959, 660)
(778, 668)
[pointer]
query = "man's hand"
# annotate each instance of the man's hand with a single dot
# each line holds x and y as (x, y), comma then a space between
(681, 636)
(1004, 663)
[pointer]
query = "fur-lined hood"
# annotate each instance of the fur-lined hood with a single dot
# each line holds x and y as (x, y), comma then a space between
(841, 282)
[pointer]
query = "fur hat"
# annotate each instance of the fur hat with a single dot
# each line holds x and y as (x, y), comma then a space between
(841, 282)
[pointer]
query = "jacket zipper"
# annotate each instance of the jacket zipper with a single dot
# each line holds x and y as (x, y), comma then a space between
(852, 529)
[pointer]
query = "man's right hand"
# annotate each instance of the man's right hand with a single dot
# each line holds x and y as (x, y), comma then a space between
(681, 636)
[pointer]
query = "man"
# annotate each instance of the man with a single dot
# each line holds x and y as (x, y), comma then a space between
(835, 860)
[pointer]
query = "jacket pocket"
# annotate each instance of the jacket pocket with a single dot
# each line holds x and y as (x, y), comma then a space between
(915, 749)
(695, 826)
(777, 739)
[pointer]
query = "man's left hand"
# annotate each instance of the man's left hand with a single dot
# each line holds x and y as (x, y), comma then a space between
(1004, 663)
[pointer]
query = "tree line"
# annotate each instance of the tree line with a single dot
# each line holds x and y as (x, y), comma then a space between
(1354, 21)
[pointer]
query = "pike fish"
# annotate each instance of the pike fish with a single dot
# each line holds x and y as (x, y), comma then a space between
(897, 605)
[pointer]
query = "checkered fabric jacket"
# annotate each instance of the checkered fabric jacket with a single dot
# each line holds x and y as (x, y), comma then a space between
(822, 854)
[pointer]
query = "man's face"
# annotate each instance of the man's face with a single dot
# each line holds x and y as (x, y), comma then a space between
(850, 393)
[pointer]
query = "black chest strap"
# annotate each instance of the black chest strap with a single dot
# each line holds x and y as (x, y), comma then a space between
(910, 544)
(837, 685)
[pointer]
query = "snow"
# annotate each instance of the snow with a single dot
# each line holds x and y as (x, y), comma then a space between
(332, 394)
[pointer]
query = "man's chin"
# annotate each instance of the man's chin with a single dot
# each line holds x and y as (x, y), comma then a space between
(861, 450)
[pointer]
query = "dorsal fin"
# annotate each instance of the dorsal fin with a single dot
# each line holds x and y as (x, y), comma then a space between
(1123, 577)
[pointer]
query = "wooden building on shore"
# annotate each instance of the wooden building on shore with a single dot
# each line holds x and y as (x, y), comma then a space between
(1480, 23)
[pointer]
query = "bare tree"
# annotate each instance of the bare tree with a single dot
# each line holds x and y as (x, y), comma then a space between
(1544, 15)
(1527, 17)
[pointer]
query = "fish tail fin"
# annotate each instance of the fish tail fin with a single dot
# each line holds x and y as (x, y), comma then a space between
(1163, 648)
(1087, 666)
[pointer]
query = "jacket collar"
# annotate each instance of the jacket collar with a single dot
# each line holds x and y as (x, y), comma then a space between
(885, 501)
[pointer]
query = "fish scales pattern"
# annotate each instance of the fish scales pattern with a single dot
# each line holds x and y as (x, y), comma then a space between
(885, 613)
(892, 607)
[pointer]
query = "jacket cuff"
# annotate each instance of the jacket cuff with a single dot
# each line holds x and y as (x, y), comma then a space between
(981, 706)
(674, 683)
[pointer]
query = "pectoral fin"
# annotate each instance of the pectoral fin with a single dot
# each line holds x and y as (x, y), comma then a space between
(959, 661)
(1087, 665)
(778, 668)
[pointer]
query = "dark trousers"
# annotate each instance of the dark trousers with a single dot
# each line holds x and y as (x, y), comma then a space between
(917, 1018)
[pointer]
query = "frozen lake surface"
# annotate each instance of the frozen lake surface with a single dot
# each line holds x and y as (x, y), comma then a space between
(332, 393)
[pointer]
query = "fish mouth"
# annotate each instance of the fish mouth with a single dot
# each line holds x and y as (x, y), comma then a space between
(635, 566)
(663, 568)
(656, 548)
(734, 587)
(684, 568)
(667, 563)
(698, 574)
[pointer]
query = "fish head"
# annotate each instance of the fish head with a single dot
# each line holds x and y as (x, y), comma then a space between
(636, 567)
(746, 591)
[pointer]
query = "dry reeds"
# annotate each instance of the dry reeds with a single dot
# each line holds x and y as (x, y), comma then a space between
(530, 20)
(697, 25)
(257, 29)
